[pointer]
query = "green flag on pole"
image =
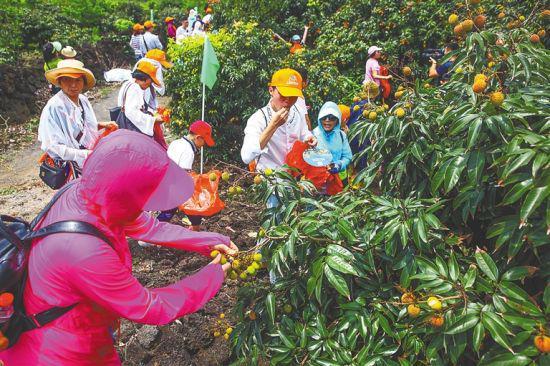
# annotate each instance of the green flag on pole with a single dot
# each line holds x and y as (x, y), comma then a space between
(210, 65)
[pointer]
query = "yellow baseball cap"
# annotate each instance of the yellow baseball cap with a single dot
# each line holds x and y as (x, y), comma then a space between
(160, 56)
(168, 19)
(149, 69)
(149, 24)
(137, 27)
(288, 82)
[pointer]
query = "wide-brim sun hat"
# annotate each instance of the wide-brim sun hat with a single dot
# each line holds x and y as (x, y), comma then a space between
(68, 51)
(150, 70)
(73, 69)
(373, 49)
(288, 82)
(57, 46)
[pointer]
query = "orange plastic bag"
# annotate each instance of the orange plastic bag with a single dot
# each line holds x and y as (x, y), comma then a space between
(205, 200)
(319, 176)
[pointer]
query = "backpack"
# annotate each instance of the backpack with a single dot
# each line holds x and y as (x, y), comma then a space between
(16, 236)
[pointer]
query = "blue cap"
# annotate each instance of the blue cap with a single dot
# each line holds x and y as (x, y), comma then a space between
(295, 38)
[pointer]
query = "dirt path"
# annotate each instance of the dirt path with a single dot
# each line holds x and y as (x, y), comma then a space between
(22, 193)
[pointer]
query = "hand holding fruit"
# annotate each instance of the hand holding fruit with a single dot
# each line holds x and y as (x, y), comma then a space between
(225, 266)
(231, 250)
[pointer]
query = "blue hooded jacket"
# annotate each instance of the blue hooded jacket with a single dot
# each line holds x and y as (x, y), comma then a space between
(335, 140)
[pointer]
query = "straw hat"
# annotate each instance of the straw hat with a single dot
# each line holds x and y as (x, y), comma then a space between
(149, 69)
(160, 56)
(68, 51)
(73, 69)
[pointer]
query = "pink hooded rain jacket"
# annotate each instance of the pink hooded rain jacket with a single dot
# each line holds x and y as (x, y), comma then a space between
(64, 269)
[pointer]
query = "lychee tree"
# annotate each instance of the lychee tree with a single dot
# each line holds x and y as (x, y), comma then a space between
(438, 251)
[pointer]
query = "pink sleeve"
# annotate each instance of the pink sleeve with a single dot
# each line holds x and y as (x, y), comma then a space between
(98, 274)
(149, 229)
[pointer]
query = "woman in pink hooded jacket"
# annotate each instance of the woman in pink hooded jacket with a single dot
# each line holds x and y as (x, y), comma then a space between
(126, 175)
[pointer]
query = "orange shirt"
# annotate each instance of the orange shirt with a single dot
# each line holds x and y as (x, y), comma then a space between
(296, 48)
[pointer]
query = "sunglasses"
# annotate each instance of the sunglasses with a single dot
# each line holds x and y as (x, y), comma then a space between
(330, 118)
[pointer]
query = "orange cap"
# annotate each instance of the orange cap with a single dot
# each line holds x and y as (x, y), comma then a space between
(346, 112)
(208, 10)
(160, 56)
(137, 27)
(168, 19)
(149, 24)
(149, 69)
(288, 82)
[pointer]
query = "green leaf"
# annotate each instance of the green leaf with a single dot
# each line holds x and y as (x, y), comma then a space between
(532, 201)
(486, 264)
(340, 251)
(345, 228)
(338, 282)
(497, 332)
(517, 192)
(470, 277)
(519, 273)
(514, 291)
(473, 132)
(341, 265)
(420, 229)
(478, 335)
(476, 163)
(453, 267)
(518, 162)
(463, 324)
(508, 360)
(454, 171)
(270, 307)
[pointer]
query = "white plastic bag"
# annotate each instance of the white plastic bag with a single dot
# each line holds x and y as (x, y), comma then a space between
(117, 75)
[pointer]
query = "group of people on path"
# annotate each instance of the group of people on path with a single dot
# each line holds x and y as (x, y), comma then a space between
(143, 39)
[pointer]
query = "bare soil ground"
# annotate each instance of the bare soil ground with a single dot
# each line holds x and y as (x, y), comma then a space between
(188, 341)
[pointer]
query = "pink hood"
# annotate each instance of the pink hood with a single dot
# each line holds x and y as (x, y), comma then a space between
(64, 269)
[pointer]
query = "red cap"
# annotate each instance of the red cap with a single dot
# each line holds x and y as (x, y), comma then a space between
(203, 130)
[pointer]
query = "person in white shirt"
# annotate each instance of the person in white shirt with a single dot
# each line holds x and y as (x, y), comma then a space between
(183, 31)
(207, 19)
(151, 40)
(68, 126)
(158, 59)
(301, 101)
(182, 151)
(272, 130)
(131, 98)
(198, 26)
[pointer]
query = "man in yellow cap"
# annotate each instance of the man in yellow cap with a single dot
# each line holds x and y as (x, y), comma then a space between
(158, 59)
(272, 130)
(151, 40)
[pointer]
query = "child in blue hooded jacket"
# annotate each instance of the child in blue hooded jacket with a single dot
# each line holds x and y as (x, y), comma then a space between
(330, 137)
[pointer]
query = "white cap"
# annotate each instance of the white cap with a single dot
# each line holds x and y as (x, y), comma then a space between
(373, 49)
(68, 51)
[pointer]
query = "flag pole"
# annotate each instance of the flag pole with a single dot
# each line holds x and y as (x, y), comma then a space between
(202, 118)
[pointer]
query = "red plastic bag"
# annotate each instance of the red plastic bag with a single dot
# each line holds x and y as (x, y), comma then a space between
(205, 200)
(385, 83)
(319, 176)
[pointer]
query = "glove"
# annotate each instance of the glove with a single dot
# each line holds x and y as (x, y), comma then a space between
(335, 168)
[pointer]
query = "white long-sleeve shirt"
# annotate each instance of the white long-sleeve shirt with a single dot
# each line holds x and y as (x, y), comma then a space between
(149, 97)
(274, 154)
(135, 105)
(61, 122)
(151, 41)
